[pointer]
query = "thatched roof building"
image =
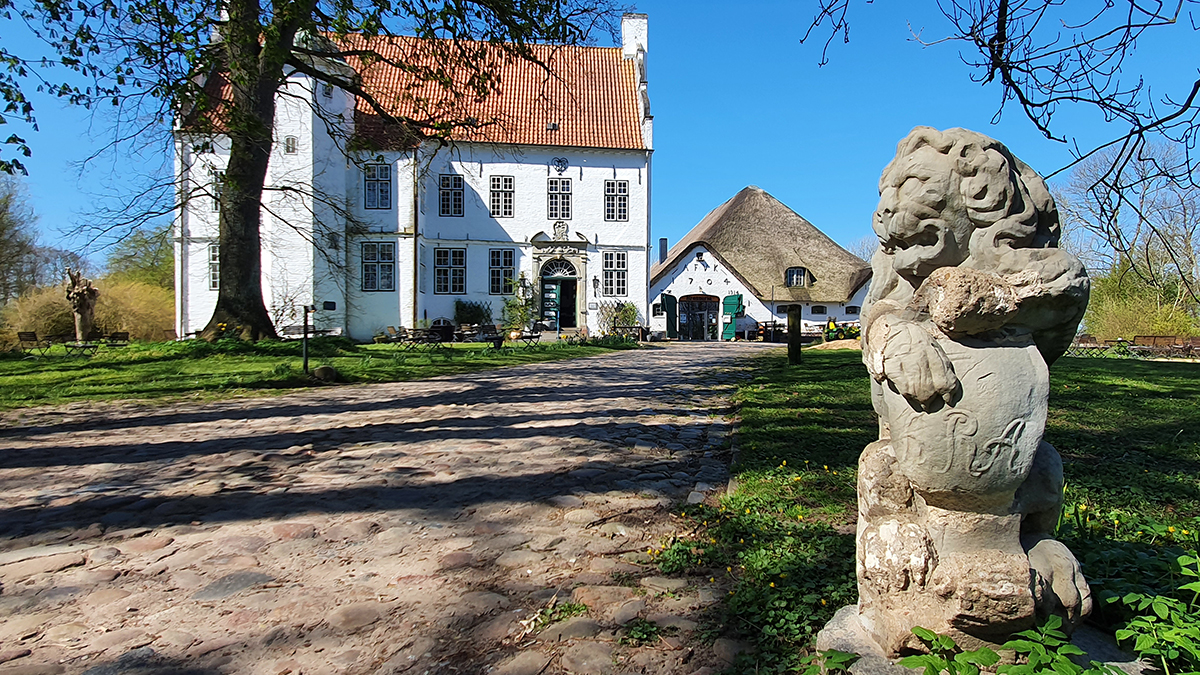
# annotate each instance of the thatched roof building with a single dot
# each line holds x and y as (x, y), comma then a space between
(758, 239)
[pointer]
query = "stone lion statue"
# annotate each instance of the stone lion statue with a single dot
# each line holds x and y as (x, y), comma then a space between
(970, 302)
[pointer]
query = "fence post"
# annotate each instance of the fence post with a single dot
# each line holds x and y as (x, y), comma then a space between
(794, 334)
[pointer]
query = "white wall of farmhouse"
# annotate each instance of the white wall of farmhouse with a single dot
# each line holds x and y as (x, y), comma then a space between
(701, 273)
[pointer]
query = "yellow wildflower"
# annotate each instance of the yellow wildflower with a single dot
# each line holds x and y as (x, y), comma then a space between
(823, 601)
(772, 584)
(1171, 529)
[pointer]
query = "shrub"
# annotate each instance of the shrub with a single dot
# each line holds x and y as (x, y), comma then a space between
(44, 310)
(140, 309)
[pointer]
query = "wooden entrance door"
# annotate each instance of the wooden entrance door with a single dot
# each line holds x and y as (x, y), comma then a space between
(698, 317)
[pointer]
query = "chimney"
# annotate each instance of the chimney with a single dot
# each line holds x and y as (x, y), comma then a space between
(634, 35)
(662, 250)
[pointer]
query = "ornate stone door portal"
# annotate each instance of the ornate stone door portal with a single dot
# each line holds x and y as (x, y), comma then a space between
(559, 265)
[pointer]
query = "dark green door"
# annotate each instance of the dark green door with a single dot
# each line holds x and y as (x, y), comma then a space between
(671, 308)
(731, 309)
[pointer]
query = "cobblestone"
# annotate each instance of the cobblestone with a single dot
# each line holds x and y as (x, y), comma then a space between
(306, 532)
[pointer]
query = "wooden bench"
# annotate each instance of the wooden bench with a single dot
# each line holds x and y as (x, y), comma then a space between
(636, 332)
(1153, 345)
(29, 340)
(1086, 346)
(117, 339)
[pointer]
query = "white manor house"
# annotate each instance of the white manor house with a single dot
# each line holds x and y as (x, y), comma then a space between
(555, 192)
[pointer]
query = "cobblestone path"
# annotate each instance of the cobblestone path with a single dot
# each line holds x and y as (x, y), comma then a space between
(400, 528)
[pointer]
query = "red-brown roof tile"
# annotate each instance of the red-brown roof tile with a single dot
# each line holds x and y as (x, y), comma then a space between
(589, 92)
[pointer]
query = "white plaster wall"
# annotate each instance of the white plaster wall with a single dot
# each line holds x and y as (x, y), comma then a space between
(287, 221)
(196, 227)
(531, 167)
(690, 276)
(302, 265)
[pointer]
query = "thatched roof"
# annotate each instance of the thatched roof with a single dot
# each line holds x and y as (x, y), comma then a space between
(758, 238)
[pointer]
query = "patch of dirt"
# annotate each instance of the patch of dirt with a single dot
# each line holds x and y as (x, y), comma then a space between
(838, 344)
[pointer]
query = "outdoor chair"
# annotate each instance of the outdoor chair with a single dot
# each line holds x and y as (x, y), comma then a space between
(488, 333)
(29, 340)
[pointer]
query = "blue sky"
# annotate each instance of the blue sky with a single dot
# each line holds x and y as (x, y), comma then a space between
(737, 101)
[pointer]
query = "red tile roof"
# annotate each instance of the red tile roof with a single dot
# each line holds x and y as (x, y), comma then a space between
(589, 92)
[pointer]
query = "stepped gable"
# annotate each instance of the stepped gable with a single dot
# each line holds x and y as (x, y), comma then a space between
(758, 238)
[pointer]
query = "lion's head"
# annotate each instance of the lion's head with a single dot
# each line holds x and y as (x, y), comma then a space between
(949, 196)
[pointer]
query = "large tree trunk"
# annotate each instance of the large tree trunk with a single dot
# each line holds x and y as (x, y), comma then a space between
(255, 58)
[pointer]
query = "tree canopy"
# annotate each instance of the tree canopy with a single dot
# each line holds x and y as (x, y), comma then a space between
(156, 62)
(1048, 57)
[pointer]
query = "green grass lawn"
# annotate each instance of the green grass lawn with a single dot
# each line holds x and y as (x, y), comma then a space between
(1129, 433)
(228, 368)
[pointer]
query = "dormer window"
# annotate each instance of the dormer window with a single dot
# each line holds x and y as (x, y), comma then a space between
(798, 277)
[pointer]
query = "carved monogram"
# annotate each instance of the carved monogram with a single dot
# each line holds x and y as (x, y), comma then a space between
(961, 428)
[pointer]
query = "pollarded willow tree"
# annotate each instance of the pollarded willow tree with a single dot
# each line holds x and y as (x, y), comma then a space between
(222, 66)
(1051, 56)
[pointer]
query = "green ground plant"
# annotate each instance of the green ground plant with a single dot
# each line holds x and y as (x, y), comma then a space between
(231, 367)
(1129, 433)
(640, 632)
(551, 615)
(828, 662)
(1042, 650)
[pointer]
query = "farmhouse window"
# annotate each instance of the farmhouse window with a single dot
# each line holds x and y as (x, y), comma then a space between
(214, 267)
(450, 271)
(657, 309)
(853, 310)
(615, 273)
(378, 179)
(450, 195)
(501, 201)
(819, 310)
(616, 200)
(290, 145)
(798, 277)
(559, 199)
